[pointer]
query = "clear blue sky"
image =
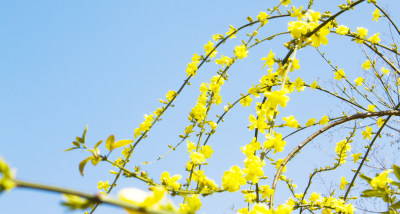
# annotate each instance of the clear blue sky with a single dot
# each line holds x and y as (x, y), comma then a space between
(68, 64)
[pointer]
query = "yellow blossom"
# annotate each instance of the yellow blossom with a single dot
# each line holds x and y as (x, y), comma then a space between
(291, 122)
(170, 95)
(103, 185)
(217, 37)
(241, 51)
(269, 60)
(367, 133)
(250, 197)
(197, 158)
(276, 98)
(339, 75)
(343, 183)
(380, 122)
(356, 157)
(342, 30)
(232, 179)
(263, 18)
(324, 120)
(380, 181)
(171, 181)
(374, 39)
(314, 85)
(311, 122)
(246, 101)
(359, 81)
(190, 205)
(213, 124)
(375, 15)
(314, 197)
(266, 191)
(366, 65)
(253, 168)
(371, 108)
(258, 123)
(384, 71)
(299, 84)
(361, 33)
(232, 31)
(274, 141)
(210, 47)
(206, 151)
(225, 60)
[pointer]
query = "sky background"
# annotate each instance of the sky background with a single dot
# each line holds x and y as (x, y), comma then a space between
(68, 64)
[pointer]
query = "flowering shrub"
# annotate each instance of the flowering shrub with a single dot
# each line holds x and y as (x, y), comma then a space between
(373, 98)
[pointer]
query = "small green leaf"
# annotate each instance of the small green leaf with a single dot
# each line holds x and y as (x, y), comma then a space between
(395, 183)
(121, 143)
(371, 193)
(98, 144)
(84, 134)
(396, 205)
(83, 163)
(79, 140)
(368, 179)
(110, 141)
(71, 149)
(76, 144)
(396, 171)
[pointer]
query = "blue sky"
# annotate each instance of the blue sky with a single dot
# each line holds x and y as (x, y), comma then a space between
(105, 64)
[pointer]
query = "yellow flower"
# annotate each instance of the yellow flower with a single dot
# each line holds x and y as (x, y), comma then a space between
(170, 181)
(375, 15)
(356, 157)
(343, 183)
(274, 141)
(197, 158)
(299, 84)
(145, 199)
(380, 122)
(314, 85)
(246, 101)
(232, 179)
(384, 71)
(366, 65)
(232, 31)
(297, 12)
(269, 60)
(241, 51)
(291, 122)
(213, 124)
(250, 197)
(315, 16)
(310, 122)
(225, 60)
(324, 120)
(266, 191)
(191, 204)
(320, 37)
(298, 28)
(314, 197)
(217, 36)
(374, 39)
(210, 47)
(285, 2)
(371, 108)
(379, 182)
(190, 147)
(276, 98)
(367, 133)
(361, 33)
(253, 168)
(206, 151)
(359, 81)
(339, 75)
(170, 95)
(263, 18)
(258, 123)
(103, 185)
(342, 30)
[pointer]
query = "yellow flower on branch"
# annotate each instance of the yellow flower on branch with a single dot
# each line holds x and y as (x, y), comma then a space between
(367, 133)
(375, 15)
(241, 51)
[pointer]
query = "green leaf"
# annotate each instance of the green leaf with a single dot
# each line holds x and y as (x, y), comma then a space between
(98, 144)
(368, 179)
(76, 144)
(110, 141)
(396, 171)
(121, 143)
(79, 140)
(71, 149)
(83, 163)
(395, 183)
(371, 193)
(396, 205)
(84, 134)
